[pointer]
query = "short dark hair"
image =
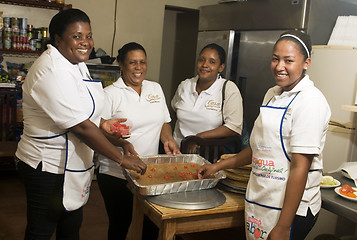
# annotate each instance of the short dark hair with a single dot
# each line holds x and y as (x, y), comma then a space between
(304, 37)
(123, 52)
(219, 49)
(63, 19)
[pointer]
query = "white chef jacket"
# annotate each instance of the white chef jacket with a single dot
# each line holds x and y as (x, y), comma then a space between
(56, 98)
(147, 112)
(202, 112)
(304, 131)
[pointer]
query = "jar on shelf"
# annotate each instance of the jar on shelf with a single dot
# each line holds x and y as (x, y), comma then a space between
(22, 23)
(1, 30)
(33, 43)
(44, 38)
(1, 21)
(37, 33)
(30, 31)
(7, 21)
(38, 45)
(7, 38)
(14, 42)
(14, 22)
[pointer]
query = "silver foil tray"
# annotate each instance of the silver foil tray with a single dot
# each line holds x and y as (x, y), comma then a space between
(175, 187)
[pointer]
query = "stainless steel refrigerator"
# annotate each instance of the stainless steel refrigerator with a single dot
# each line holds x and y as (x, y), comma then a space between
(248, 30)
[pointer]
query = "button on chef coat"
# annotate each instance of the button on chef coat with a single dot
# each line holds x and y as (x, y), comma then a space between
(147, 113)
(199, 113)
(55, 98)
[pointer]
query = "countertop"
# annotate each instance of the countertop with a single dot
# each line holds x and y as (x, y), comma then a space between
(337, 204)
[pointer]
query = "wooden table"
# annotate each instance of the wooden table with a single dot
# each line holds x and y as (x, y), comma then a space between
(176, 221)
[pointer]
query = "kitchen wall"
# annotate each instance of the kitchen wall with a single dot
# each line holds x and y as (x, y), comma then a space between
(137, 20)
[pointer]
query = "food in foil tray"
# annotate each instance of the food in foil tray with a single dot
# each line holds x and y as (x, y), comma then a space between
(171, 174)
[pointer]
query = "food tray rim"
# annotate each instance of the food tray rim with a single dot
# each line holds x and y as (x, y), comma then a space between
(191, 185)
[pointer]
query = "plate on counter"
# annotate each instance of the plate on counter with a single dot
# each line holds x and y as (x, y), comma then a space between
(329, 182)
(337, 183)
(337, 190)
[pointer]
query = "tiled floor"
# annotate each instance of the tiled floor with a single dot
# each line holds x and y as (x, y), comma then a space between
(94, 226)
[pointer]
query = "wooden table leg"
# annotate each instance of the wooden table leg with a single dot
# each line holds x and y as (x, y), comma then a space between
(136, 227)
(167, 230)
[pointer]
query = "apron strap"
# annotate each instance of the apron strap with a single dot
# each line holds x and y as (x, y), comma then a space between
(90, 94)
(281, 128)
(262, 205)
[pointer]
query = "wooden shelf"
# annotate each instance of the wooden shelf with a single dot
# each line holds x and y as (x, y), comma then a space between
(350, 108)
(37, 4)
(19, 53)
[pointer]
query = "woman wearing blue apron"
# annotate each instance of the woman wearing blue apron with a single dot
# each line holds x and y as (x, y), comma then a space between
(62, 111)
(283, 194)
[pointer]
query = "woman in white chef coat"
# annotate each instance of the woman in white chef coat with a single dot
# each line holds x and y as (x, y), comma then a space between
(198, 101)
(62, 107)
(142, 102)
(283, 196)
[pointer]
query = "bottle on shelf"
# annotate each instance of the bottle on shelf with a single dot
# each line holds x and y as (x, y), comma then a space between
(30, 45)
(7, 38)
(44, 38)
(1, 29)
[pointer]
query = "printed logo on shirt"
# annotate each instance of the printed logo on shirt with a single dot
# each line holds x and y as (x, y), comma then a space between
(254, 227)
(212, 105)
(152, 98)
(262, 148)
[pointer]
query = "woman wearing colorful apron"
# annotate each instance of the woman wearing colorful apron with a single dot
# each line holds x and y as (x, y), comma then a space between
(62, 111)
(283, 194)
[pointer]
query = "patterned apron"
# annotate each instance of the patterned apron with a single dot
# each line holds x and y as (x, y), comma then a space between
(270, 171)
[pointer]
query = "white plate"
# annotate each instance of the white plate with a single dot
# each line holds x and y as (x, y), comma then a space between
(331, 186)
(337, 190)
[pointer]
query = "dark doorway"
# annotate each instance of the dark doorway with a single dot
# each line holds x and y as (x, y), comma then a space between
(178, 55)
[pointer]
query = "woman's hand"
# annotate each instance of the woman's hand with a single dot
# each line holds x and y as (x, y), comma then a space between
(207, 170)
(128, 149)
(105, 125)
(133, 163)
(171, 147)
(192, 148)
(89, 133)
(279, 233)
